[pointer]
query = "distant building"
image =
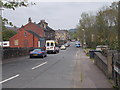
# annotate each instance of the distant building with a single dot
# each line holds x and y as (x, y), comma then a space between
(29, 35)
(61, 35)
(49, 32)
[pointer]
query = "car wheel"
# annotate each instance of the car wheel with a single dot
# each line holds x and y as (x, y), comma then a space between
(42, 56)
(30, 57)
(46, 55)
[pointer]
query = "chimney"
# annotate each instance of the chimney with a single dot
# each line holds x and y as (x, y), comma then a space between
(22, 26)
(42, 21)
(29, 20)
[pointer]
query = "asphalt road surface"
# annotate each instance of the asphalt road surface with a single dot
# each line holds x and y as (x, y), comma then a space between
(70, 68)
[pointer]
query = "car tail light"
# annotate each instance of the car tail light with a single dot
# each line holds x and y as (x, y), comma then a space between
(54, 47)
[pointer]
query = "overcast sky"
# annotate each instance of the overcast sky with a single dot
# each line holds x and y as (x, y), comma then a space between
(58, 15)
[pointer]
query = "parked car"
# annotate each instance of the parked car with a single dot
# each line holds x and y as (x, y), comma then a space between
(63, 47)
(51, 46)
(57, 49)
(77, 45)
(67, 44)
(73, 40)
(38, 53)
(101, 47)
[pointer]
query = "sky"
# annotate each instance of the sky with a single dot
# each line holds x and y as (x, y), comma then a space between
(58, 15)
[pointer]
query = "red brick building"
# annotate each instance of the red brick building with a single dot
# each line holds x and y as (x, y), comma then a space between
(29, 35)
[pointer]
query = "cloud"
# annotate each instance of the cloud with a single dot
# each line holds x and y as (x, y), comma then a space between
(63, 15)
(72, 0)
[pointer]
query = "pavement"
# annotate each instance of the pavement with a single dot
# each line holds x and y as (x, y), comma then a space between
(70, 68)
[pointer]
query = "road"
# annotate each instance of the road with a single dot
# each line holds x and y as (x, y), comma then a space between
(70, 68)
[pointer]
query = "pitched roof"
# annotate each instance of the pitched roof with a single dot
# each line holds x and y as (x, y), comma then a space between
(35, 34)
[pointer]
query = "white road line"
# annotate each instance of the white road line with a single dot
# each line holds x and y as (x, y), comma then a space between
(39, 65)
(76, 54)
(9, 78)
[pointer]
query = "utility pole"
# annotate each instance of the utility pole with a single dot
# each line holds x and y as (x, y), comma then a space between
(1, 46)
(119, 42)
(119, 27)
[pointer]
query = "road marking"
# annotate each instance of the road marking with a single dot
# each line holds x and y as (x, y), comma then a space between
(9, 78)
(77, 54)
(39, 65)
(81, 77)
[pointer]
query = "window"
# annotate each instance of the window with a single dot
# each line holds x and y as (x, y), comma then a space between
(25, 34)
(16, 42)
(52, 44)
(56, 44)
(47, 44)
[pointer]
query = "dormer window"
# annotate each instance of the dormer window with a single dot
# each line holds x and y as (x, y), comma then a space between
(25, 34)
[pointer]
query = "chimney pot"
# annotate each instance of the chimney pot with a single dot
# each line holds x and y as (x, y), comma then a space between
(29, 20)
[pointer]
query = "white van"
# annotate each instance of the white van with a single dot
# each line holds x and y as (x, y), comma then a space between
(51, 46)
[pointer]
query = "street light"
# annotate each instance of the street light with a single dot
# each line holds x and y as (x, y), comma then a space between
(84, 41)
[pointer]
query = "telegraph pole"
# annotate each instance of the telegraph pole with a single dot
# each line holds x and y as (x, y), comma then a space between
(119, 42)
(119, 27)
(1, 46)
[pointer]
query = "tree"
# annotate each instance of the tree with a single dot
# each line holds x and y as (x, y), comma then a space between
(10, 4)
(13, 4)
(101, 28)
(7, 34)
(86, 28)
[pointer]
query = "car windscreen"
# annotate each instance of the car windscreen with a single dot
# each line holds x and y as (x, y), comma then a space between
(48, 44)
(52, 44)
(37, 50)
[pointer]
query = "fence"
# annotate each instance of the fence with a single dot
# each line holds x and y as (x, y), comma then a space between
(116, 71)
(109, 64)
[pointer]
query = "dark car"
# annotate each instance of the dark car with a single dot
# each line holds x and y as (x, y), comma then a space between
(38, 53)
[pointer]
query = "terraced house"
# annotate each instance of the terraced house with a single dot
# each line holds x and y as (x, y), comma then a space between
(61, 35)
(49, 32)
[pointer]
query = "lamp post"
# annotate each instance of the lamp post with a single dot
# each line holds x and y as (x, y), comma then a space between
(84, 41)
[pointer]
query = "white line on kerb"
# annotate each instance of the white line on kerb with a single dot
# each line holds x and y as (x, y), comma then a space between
(9, 78)
(39, 65)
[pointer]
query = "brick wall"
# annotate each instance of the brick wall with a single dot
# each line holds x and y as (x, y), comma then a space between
(26, 39)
